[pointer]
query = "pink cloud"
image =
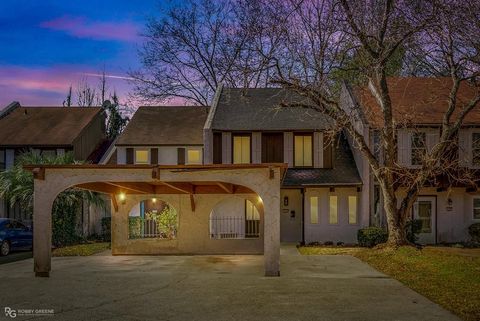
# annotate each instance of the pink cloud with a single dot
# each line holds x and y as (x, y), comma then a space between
(48, 86)
(81, 28)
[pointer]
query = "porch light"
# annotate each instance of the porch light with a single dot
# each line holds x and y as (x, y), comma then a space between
(122, 197)
(154, 200)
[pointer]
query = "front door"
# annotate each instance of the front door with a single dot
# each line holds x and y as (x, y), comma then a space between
(291, 215)
(425, 210)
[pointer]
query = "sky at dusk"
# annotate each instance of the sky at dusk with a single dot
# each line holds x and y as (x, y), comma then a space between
(47, 45)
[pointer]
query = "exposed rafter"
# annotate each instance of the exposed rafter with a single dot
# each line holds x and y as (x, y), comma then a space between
(187, 188)
(227, 187)
(142, 188)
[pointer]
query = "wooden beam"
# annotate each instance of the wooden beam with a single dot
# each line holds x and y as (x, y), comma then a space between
(227, 187)
(186, 188)
(142, 188)
(192, 202)
(114, 202)
(156, 173)
(100, 187)
(271, 172)
(39, 173)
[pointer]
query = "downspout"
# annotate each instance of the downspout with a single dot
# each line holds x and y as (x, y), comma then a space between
(303, 216)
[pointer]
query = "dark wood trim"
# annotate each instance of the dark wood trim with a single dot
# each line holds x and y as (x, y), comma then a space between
(129, 158)
(294, 151)
(238, 134)
(181, 155)
(154, 156)
(266, 140)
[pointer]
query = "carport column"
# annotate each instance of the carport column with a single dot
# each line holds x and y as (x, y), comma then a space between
(271, 247)
(42, 228)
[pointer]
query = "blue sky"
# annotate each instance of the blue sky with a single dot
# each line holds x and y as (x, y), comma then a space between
(48, 45)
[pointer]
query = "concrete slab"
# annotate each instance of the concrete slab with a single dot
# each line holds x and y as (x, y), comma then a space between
(212, 288)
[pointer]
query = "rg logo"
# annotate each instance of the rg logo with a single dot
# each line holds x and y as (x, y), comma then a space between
(9, 312)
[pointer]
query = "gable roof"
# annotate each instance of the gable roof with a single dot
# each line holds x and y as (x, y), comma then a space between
(260, 109)
(165, 125)
(45, 126)
(417, 100)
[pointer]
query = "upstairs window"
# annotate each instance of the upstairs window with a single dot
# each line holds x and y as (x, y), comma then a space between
(194, 156)
(303, 149)
(141, 156)
(476, 149)
(241, 149)
(419, 147)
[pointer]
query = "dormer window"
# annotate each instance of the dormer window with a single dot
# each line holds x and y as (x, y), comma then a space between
(476, 149)
(419, 147)
(241, 149)
(142, 156)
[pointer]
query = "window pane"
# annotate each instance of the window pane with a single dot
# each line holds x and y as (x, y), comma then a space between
(298, 150)
(419, 148)
(314, 210)
(241, 149)
(352, 210)
(251, 211)
(194, 156)
(307, 150)
(476, 208)
(141, 156)
(333, 217)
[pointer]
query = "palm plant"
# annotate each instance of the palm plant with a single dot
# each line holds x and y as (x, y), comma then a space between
(16, 186)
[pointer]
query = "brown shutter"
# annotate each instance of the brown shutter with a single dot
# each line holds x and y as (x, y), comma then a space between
(129, 155)
(154, 156)
(217, 148)
(181, 156)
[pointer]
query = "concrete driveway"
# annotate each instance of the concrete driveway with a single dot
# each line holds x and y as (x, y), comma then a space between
(211, 288)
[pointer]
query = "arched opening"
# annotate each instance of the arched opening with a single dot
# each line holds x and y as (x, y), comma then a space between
(153, 218)
(235, 218)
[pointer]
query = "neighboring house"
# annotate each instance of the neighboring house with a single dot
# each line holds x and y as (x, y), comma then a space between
(50, 131)
(320, 196)
(160, 135)
(418, 107)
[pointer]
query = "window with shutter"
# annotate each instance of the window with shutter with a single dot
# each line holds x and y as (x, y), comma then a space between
(181, 156)
(129, 154)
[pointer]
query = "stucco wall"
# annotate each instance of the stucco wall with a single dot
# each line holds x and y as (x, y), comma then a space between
(193, 228)
(324, 231)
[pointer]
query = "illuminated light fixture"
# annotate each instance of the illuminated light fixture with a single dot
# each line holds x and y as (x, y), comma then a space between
(260, 199)
(154, 200)
(122, 197)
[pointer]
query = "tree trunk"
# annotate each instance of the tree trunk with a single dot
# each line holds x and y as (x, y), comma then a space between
(396, 218)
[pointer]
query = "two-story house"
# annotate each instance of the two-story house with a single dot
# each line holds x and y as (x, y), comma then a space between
(418, 105)
(320, 196)
(159, 135)
(49, 131)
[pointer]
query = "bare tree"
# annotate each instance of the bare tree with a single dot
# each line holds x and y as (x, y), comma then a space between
(444, 33)
(86, 94)
(200, 44)
(68, 101)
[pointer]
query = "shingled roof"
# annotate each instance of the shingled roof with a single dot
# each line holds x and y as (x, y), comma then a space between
(344, 171)
(261, 109)
(418, 100)
(165, 125)
(45, 126)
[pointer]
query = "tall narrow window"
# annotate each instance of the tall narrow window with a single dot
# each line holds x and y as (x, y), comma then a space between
(333, 213)
(419, 147)
(476, 208)
(314, 210)
(141, 156)
(352, 210)
(476, 149)
(303, 150)
(241, 149)
(252, 220)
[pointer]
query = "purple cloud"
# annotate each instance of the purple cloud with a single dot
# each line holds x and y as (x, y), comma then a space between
(81, 28)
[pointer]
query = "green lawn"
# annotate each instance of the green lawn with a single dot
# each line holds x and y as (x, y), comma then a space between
(447, 276)
(81, 249)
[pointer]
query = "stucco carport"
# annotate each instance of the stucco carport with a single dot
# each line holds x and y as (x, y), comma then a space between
(137, 181)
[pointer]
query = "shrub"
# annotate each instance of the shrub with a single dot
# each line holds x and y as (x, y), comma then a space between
(474, 231)
(328, 243)
(371, 236)
(106, 228)
(412, 228)
(135, 224)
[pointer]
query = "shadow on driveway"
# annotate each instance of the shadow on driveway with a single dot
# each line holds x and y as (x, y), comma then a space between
(15, 256)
